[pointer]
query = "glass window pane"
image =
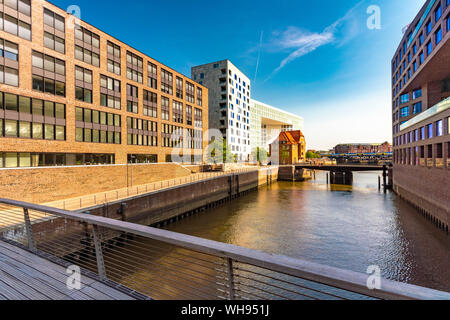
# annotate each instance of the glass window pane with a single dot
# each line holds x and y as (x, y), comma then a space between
(79, 134)
(38, 107)
(24, 104)
(24, 129)
(10, 102)
(60, 132)
(24, 160)
(49, 109)
(49, 132)
(37, 131)
(10, 128)
(38, 60)
(10, 160)
(60, 111)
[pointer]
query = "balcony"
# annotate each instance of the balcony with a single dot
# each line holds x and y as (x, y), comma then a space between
(440, 107)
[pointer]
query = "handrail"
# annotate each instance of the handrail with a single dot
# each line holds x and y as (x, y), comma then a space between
(343, 279)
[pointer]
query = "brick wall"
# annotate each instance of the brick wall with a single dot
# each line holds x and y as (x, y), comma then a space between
(39, 185)
(432, 196)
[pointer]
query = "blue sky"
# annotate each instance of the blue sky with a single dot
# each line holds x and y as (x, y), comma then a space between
(317, 59)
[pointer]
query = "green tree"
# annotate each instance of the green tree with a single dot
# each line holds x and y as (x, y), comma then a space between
(312, 155)
(218, 152)
(260, 154)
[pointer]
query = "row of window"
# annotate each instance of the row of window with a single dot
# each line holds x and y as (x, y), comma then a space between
(27, 159)
(31, 130)
(431, 155)
(429, 131)
(36, 107)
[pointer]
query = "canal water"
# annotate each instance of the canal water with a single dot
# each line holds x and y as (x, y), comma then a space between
(349, 227)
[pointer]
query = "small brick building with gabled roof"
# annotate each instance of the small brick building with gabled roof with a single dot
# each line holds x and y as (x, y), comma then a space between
(290, 146)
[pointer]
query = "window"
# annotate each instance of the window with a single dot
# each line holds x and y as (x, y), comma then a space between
(89, 129)
(417, 108)
(429, 48)
(438, 36)
(404, 98)
(110, 92)
(417, 93)
(132, 99)
(54, 81)
(429, 27)
(142, 132)
(87, 46)
(53, 37)
(166, 82)
(199, 97)
(430, 131)
(134, 67)
(404, 112)
(198, 118)
(438, 13)
(9, 50)
(152, 75)
(26, 129)
(83, 84)
(439, 128)
(150, 104)
(177, 111)
(190, 93)
(421, 39)
(179, 87)
(113, 60)
(165, 108)
(421, 57)
(16, 26)
(188, 115)
(448, 23)
(9, 67)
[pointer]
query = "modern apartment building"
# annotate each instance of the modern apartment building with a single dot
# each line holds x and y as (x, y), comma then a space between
(421, 91)
(229, 103)
(267, 122)
(71, 94)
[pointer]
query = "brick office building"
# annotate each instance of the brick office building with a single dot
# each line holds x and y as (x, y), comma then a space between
(288, 148)
(360, 148)
(421, 111)
(71, 94)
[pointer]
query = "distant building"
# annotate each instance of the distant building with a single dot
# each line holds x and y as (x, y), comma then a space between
(266, 123)
(360, 148)
(288, 148)
(229, 103)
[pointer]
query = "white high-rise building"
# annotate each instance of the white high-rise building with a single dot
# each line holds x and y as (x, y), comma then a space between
(229, 103)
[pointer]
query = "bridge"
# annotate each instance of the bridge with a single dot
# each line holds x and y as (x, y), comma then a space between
(122, 260)
(342, 167)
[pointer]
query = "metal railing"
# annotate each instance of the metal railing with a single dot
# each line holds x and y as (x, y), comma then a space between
(101, 198)
(167, 265)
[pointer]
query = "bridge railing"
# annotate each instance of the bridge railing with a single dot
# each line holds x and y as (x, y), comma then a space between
(167, 265)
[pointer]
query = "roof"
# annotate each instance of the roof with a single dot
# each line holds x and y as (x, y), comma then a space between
(292, 137)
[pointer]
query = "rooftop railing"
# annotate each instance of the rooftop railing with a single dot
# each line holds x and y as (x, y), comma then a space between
(166, 265)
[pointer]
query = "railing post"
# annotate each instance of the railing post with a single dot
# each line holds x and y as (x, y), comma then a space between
(99, 253)
(29, 230)
(230, 279)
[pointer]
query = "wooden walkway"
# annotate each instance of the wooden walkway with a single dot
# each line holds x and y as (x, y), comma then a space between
(24, 276)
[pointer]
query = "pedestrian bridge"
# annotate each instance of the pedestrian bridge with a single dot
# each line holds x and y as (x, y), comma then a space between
(121, 260)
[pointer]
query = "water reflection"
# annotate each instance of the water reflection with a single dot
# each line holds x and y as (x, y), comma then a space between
(350, 227)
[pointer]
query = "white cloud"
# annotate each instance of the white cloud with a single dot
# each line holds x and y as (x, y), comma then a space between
(304, 42)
